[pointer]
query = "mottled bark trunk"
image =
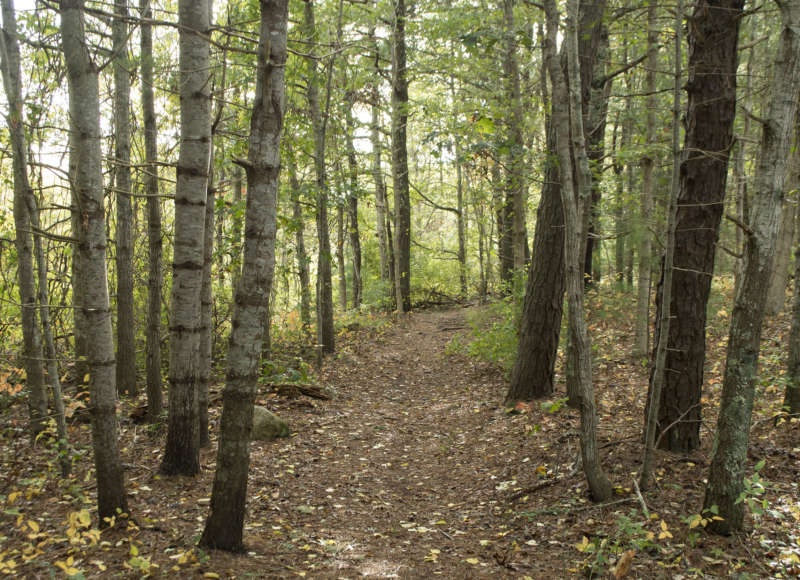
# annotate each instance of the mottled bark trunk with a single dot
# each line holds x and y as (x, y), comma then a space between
(576, 194)
(87, 180)
(711, 87)
(31, 355)
(729, 458)
(155, 398)
(779, 279)
(225, 524)
(791, 398)
(641, 344)
(182, 451)
(126, 332)
(402, 201)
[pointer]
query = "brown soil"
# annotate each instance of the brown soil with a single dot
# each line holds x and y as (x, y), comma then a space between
(414, 469)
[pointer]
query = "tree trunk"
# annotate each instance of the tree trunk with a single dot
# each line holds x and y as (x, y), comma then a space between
(641, 345)
(206, 307)
(352, 204)
(126, 347)
(325, 328)
(540, 326)
(87, 180)
(31, 333)
(576, 194)
(155, 398)
(711, 87)
(514, 214)
(791, 399)
(182, 451)
(402, 201)
(225, 523)
(779, 279)
(340, 227)
(384, 248)
(300, 242)
(726, 474)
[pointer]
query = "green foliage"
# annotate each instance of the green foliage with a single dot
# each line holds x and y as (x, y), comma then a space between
(294, 371)
(494, 333)
(754, 488)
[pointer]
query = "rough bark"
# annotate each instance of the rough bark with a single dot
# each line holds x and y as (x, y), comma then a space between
(791, 398)
(225, 524)
(377, 173)
(514, 208)
(711, 87)
(778, 282)
(729, 458)
(31, 355)
(126, 347)
(87, 180)
(402, 201)
(340, 227)
(182, 451)
(155, 397)
(576, 194)
(540, 326)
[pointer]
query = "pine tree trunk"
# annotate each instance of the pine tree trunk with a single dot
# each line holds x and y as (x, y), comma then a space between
(155, 398)
(713, 38)
(31, 333)
(86, 159)
(126, 347)
(225, 524)
(729, 459)
(182, 451)
(402, 201)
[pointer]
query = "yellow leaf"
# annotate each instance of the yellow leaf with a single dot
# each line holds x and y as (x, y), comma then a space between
(13, 496)
(33, 526)
(473, 561)
(584, 545)
(134, 550)
(68, 569)
(99, 564)
(210, 575)
(86, 378)
(663, 525)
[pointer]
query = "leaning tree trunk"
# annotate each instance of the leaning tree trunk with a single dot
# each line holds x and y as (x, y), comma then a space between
(402, 201)
(155, 398)
(713, 38)
(87, 180)
(225, 524)
(31, 333)
(576, 193)
(182, 451)
(126, 347)
(726, 475)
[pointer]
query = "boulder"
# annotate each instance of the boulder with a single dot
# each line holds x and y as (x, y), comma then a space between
(267, 425)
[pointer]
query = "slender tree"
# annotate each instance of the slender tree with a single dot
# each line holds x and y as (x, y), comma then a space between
(402, 201)
(87, 181)
(182, 451)
(126, 347)
(155, 400)
(726, 475)
(225, 523)
(26, 279)
(576, 194)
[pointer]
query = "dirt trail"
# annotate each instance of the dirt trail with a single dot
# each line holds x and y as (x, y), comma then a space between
(398, 475)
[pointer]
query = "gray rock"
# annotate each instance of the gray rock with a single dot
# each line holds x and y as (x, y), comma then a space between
(267, 425)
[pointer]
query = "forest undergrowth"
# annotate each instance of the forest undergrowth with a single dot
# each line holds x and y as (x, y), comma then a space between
(414, 468)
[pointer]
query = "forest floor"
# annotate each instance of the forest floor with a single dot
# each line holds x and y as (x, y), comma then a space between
(415, 469)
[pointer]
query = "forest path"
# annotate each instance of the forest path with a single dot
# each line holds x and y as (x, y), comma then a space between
(400, 475)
